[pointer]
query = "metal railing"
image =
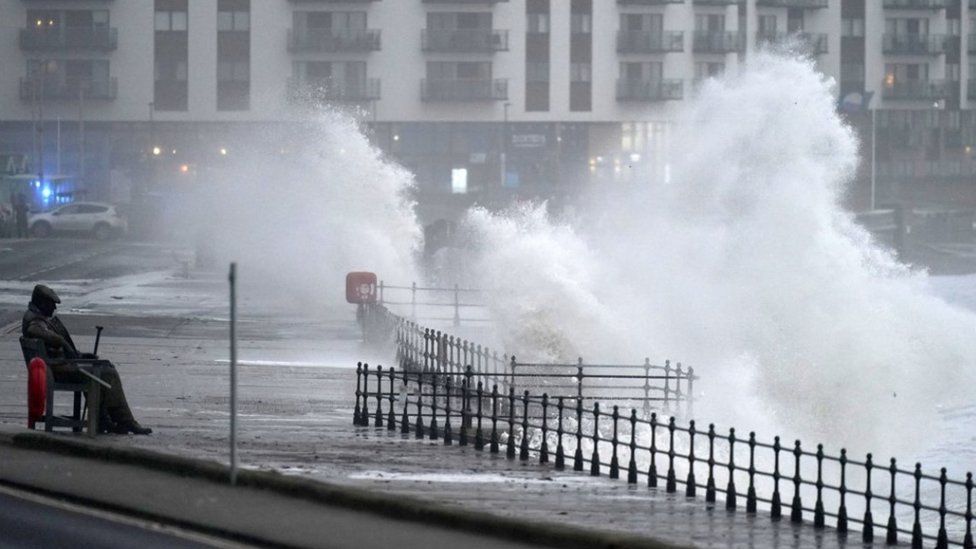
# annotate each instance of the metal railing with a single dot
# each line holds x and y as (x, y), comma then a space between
(424, 302)
(333, 89)
(68, 89)
(629, 41)
(915, 4)
(915, 90)
(423, 350)
(913, 44)
(334, 40)
(649, 90)
(717, 41)
(58, 38)
(464, 89)
(779, 479)
(484, 40)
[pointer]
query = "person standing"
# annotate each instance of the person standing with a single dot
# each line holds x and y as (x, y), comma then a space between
(20, 215)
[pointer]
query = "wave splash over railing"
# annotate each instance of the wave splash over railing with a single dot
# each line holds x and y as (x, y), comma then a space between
(451, 390)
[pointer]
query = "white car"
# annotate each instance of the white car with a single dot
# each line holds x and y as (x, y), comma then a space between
(95, 218)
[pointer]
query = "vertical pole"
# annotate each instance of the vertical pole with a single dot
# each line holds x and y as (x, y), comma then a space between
(81, 132)
(413, 301)
(874, 156)
(457, 307)
(58, 148)
(232, 277)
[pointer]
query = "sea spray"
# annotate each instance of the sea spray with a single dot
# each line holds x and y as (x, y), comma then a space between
(299, 208)
(745, 265)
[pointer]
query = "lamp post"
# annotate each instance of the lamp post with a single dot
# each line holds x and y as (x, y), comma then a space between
(505, 140)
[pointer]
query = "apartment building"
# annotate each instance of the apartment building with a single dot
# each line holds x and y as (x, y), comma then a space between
(482, 99)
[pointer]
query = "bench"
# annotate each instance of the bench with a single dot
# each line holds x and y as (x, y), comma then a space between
(34, 348)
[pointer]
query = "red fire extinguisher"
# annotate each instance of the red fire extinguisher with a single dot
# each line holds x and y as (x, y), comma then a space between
(36, 390)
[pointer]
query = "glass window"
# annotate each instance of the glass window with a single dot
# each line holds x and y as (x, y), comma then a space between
(537, 71)
(179, 21)
(162, 21)
(581, 23)
(538, 23)
(579, 72)
(225, 21)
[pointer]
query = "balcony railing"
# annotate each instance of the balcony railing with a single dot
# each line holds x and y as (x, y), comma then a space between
(717, 42)
(649, 90)
(648, 2)
(915, 90)
(465, 40)
(332, 89)
(650, 42)
(915, 4)
(464, 89)
(913, 44)
(60, 38)
(330, 40)
(717, 2)
(810, 42)
(70, 89)
(797, 4)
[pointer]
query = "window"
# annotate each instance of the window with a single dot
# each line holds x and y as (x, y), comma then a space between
(581, 23)
(852, 27)
(706, 70)
(649, 22)
(233, 21)
(237, 71)
(953, 72)
(579, 72)
(767, 25)
(902, 26)
(171, 21)
(537, 23)
(709, 22)
(537, 72)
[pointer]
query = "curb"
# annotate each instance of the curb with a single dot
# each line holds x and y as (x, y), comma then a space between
(398, 507)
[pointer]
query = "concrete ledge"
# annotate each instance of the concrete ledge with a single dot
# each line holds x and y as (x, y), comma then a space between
(398, 507)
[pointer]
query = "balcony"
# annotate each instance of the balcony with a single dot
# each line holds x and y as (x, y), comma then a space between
(464, 89)
(717, 42)
(797, 4)
(914, 4)
(329, 40)
(70, 90)
(319, 90)
(650, 41)
(915, 90)
(807, 42)
(465, 40)
(913, 44)
(649, 90)
(62, 38)
(717, 2)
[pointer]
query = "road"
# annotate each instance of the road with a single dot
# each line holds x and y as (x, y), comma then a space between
(77, 259)
(29, 521)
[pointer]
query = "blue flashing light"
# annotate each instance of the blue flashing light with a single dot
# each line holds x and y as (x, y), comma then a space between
(46, 193)
(37, 183)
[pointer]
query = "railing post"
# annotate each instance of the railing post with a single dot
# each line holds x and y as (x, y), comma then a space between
(578, 455)
(391, 418)
(632, 465)
(560, 452)
(595, 456)
(690, 394)
(364, 413)
(405, 419)
(776, 510)
(448, 435)
(428, 348)
(433, 407)
(544, 446)
(359, 377)
(672, 482)
(479, 436)
(413, 301)
(579, 378)
(730, 492)
(652, 468)
(647, 385)
(614, 461)
(917, 506)
(892, 535)
(867, 534)
(942, 540)
(710, 483)
(667, 385)
(463, 430)
(690, 484)
(751, 492)
(493, 440)
(842, 510)
(378, 422)
(819, 516)
(511, 370)
(419, 426)
(524, 446)
(796, 508)
(510, 447)
(967, 541)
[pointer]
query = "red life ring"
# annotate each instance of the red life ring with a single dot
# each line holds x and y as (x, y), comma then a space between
(36, 390)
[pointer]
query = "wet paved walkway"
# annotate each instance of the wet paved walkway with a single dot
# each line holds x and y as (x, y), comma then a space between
(296, 417)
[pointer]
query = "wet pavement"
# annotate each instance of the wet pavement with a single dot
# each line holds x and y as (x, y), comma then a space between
(297, 385)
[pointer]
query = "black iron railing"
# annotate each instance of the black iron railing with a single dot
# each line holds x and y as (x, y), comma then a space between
(423, 350)
(429, 303)
(770, 477)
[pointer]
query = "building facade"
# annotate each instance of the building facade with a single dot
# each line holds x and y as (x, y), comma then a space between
(483, 99)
